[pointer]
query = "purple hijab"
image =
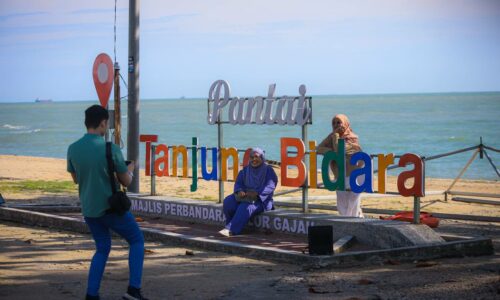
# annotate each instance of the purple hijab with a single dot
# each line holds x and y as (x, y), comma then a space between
(255, 177)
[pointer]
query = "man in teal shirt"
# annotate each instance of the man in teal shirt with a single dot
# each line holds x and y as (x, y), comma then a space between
(88, 166)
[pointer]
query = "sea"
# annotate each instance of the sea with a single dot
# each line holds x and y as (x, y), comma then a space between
(424, 124)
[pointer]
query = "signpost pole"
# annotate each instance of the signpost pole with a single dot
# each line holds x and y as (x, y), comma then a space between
(133, 92)
(220, 141)
(305, 186)
(416, 200)
(153, 172)
(416, 210)
(118, 122)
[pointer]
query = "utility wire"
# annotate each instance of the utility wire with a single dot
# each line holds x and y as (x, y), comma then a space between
(115, 33)
(123, 79)
(114, 49)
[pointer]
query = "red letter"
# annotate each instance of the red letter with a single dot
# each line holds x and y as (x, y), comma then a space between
(148, 138)
(417, 174)
(161, 160)
(292, 161)
(246, 157)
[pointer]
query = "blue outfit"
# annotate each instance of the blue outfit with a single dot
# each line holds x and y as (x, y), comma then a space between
(127, 228)
(262, 180)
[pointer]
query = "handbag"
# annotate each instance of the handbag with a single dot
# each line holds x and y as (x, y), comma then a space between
(119, 202)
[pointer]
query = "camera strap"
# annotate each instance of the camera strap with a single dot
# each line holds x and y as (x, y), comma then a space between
(111, 167)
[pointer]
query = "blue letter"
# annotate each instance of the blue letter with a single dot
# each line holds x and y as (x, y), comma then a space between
(204, 172)
(367, 170)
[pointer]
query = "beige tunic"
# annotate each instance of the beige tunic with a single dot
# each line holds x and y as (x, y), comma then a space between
(330, 143)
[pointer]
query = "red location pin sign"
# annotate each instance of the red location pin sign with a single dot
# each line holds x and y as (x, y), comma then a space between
(103, 77)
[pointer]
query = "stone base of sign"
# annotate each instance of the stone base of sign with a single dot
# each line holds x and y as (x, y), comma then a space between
(380, 234)
(456, 247)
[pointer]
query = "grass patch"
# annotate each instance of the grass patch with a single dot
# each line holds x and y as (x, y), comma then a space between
(21, 186)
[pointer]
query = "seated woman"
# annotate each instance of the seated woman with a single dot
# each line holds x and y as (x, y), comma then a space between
(253, 193)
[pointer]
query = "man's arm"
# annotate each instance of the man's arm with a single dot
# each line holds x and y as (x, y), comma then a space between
(124, 173)
(126, 178)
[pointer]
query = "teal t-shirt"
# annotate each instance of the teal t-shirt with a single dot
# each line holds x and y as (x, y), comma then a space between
(87, 159)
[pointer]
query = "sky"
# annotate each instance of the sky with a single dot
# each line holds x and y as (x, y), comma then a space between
(47, 48)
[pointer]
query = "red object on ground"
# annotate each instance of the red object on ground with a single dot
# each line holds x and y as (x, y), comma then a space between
(407, 216)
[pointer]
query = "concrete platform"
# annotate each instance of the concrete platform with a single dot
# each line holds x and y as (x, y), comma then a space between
(263, 245)
(379, 234)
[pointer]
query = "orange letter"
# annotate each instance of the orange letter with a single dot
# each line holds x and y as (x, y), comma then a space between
(161, 160)
(176, 150)
(224, 155)
(417, 174)
(292, 161)
(383, 163)
(148, 138)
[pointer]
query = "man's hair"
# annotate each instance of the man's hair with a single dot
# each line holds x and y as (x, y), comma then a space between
(94, 115)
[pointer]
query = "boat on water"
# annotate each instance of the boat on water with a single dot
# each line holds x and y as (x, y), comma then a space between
(38, 100)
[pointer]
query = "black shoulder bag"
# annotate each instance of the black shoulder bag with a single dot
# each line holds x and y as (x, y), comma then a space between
(119, 203)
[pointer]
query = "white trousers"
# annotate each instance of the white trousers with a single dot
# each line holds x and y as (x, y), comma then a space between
(349, 203)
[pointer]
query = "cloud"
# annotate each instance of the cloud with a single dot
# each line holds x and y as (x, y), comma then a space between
(238, 17)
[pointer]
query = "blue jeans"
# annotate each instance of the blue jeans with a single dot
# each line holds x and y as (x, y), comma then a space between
(239, 213)
(127, 228)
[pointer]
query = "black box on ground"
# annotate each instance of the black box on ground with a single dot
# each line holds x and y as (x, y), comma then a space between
(320, 240)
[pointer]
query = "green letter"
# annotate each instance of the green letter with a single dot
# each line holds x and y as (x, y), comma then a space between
(339, 158)
(194, 164)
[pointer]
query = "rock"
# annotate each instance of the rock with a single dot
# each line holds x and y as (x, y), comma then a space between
(426, 264)
(365, 281)
(314, 291)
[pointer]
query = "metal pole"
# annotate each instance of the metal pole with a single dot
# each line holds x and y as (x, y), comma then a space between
(153, 172)
(416, 210)
(133, 91)
(416, 200)
(481, 147)
(106, 135)
(491, 163)
(305, 186)
(118, 122)
(220, 141)
(463, 170)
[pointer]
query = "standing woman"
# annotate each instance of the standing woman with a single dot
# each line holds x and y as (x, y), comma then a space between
(253, 193)
(348, 203)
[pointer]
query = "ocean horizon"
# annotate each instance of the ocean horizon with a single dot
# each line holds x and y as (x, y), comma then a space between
(426, 124)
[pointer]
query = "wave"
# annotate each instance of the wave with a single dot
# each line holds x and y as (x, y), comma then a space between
(456, 138)
(27, 131)
(14, 127)
(21, 129)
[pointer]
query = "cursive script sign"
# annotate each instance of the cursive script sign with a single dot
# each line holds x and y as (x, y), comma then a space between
(258, 110)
